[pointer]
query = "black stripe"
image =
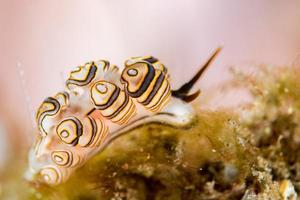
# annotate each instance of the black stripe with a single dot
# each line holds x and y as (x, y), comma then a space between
(69, 159)
(155, 89)
(94, 130)
(119, 109)
(151, 60)
(79, 130)
(54, 102)
(127, 115)
(164, 69)
(90, 112)
(91, 75)
(67, 96)
(51, 112)
(146, 82)
(106, 65)
(46, 113)
(162, 97)
(78, 125)
(111, 100)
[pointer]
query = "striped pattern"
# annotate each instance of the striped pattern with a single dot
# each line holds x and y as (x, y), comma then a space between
(148, 85)
(62, 158)
(72, 131)
(149, 59)
(95, 132)
(83, 75)
(113, 103)
(66, 158)
(69, 130)
(47, 110)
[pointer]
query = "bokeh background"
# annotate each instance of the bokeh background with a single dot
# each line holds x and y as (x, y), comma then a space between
(41, 40)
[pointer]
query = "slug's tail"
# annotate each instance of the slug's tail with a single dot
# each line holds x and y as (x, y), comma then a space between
(182, 92)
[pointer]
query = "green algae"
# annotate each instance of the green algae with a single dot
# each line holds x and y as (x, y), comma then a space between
(274, 122)
(161, 162)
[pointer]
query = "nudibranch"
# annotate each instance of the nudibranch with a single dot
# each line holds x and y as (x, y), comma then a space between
(100, 103)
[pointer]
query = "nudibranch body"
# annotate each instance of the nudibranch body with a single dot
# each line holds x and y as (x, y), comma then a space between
(100, 103)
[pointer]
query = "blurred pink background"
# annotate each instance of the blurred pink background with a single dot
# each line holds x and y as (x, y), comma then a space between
(42, 40)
